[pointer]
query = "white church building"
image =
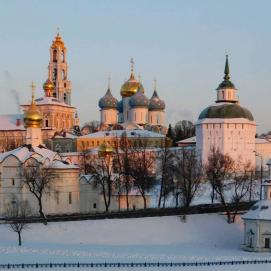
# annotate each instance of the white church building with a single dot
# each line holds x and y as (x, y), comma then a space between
(257, 222)
(226, 125)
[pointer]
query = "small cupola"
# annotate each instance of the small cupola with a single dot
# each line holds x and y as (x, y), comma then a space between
(108, 101)
(155, 102)
(226, 91)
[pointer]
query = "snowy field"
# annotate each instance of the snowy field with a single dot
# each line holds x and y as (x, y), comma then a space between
(202, 238)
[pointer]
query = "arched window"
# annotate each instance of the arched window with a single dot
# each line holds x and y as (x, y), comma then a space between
(46, 123)
(55, 56)
(223, 95)
(63, 75)
(65, 97)
(55, 74)
(63, 56)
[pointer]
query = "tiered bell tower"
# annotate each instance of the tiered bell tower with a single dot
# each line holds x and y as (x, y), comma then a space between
(58, 71)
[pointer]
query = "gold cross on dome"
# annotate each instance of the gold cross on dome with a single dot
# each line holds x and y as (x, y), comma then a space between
(109, 82)
(33, 87)
(132, 65)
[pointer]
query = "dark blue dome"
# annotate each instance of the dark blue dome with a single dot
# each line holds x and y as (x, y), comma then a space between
(120, 106)
(139, 100)
(108, 101)
(156, 103)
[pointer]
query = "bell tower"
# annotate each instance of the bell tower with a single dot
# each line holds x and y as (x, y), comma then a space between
(58, 70)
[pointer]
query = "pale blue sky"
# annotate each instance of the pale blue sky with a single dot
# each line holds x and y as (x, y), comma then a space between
(181, 43)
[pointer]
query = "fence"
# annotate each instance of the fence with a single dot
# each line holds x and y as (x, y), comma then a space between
(130, 265)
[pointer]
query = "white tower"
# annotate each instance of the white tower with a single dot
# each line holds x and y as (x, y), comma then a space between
(58, 70)
(226, 126)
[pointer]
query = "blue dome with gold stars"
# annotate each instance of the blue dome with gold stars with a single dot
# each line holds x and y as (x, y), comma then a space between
(156, 103)
(108, 101)
(139, 100)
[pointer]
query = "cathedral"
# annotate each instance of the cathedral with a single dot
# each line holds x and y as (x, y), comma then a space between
(134, 110)
(55, 106)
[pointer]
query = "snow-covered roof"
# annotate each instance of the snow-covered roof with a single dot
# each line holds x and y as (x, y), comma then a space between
(119, 133)
(130, 126)
(266, 183)
(259, 211)
(57, 164)
(66, 135)
(262, 141)
(10, 122)
(188, 140)
(86, 178)
(41, 154)
(49, 101)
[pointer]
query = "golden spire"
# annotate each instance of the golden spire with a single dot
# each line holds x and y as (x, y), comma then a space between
(58, 42)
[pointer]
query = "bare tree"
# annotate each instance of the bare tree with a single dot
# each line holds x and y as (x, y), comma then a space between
(189, 175)
(16, 214)
(165, 168)
(90, 127)
(241, 186)
(142, 165)
(101, 170)
(184, 129)
(38, 180)
(219, 170)
(122, 166)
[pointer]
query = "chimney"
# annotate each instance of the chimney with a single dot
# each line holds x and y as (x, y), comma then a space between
(18, 122)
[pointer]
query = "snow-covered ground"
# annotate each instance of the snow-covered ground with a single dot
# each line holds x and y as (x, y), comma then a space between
(165, 239)
(203, 196)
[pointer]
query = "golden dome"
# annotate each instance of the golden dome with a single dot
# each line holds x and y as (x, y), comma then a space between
(48, 87)
(32, 117)
(130, 87)
(105, 150)
(58, 42)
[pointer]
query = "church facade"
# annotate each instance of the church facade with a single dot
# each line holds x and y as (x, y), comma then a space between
(55, 105)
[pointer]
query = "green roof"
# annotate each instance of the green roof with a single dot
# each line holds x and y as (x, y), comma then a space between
(226, 111)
